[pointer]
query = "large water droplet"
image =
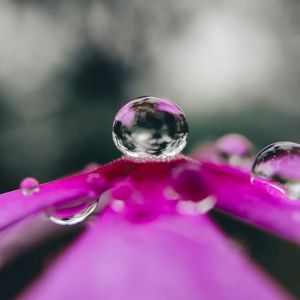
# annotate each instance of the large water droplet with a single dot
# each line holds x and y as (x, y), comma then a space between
(150, 127)
(234, 148)
(73, 212)
(29, 185)
(279, 163)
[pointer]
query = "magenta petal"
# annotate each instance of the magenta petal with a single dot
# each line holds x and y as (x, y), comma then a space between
(25, 235)
(15, 206)
(170, 258)
(258, 204)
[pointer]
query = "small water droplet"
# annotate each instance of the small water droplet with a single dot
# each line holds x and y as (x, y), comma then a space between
(235, 149)
(279, 164)
(29, 185)
(149, 128)
(72, 213)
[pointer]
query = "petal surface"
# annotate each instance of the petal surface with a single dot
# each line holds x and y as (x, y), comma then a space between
(15, 206)
(259, 204)
(172, 257)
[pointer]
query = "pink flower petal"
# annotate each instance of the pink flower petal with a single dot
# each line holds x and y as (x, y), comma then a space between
(168, 106)
(170, 258)
(27, 234)
(259, 204)
(15, 206)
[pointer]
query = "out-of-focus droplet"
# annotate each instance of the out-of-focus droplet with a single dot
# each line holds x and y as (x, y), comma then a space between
(193, 189)
(279, 164)
(91, 167)
(195, 208)
(117, 205)
(150, 128)
(206, 152)
(123, 190)
(121, 193)
(96, 183)
(29, 186)
(73, 212)
(170, 193)
(234, 149)
(189, 182)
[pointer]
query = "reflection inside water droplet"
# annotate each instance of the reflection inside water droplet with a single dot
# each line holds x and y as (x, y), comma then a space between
(29, 185)
(150, 127)
(280, 164)
(73, 212)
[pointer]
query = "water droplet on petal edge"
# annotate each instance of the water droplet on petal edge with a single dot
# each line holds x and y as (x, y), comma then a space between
(150, 127)
(72, 212)
(279, 163)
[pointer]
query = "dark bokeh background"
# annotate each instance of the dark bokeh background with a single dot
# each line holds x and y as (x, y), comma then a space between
(67, 66)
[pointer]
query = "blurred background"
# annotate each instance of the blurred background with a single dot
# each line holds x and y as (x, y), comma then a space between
(66, 67)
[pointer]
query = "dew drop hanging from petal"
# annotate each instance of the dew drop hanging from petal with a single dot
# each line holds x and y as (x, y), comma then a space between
(279, 163)
(150, 127)
(73, 212)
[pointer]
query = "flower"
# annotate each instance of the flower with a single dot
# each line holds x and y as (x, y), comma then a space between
(148, 250)
(150, 236)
